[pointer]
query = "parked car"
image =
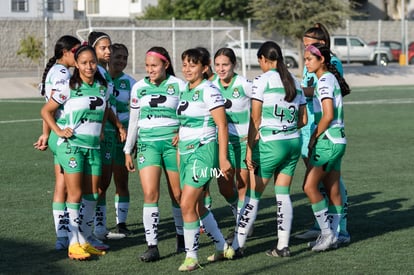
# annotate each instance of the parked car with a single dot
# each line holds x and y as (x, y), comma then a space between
(291, 57)
(396, 48)
(355, 49)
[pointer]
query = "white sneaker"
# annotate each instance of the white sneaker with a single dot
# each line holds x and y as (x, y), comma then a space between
(325, 242)
(108, 235)
(312, 233)
(98, 244)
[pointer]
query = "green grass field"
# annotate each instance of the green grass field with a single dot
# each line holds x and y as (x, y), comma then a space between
(377, 169)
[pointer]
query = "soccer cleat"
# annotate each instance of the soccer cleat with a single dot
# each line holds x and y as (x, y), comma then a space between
(122, 229)
(324, 242)
(76, 252)
(92, 250)
(284, 252)
(344, 238)
(219, 255)
(108, 235)
(98, 244)
(180, 244)
(62, 243)
(312, 233)
(151, 254)
(189, 264)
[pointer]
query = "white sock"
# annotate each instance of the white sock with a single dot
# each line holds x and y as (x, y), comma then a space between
(86, 216)
(60, 218)
(212, 231)
(73, 217)
(284, 219)
(150, 217)
(178, 220)
(323, 221)
(121, 211)
(247, 218)
(100, 219)
(192, 238)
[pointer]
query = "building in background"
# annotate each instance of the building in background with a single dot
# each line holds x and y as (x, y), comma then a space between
(72, 9)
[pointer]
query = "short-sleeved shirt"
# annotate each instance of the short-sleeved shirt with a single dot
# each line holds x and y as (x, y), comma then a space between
(157, 103)
(328, 87)
(55, 79)
(84, 110)
(197, 125)
(237, 103)
(122, 92)
(279, 117)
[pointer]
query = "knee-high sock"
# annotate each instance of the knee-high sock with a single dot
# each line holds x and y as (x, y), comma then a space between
(151, 218)
(212, 230)
(284, 216)
(247, 217)
(192, 238)
(178, 219)
(87, 213)
(60, 217)
(100, 217)
(320, 210)
(344, 218)
(335, 215)
(73, 217)
(121, 208)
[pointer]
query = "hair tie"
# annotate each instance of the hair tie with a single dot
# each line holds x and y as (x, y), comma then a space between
(160, 56)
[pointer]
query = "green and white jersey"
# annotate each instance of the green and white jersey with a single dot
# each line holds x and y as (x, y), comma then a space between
(328, 87)
(112, 100)
(157, 115)
(237, 103)
(122, 91)
(55, 79)
(196, 123)
(279, 117)
(84, 111)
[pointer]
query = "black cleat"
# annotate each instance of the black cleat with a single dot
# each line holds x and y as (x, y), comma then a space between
(151, 255)
(284, 252)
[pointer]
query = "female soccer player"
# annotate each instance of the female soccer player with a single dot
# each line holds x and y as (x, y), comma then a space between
(319, 34)
(278, 112)
(237, 92)
(56, 73)
(200, 111)
(154, 122)
(326, 145)
(113, 131)
(84, 99)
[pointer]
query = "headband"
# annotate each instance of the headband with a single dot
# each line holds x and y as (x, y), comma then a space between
(99, 38)
(313, 50)
(160, 56)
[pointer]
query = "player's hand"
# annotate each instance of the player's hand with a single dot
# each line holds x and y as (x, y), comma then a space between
(122, 134)
(129, 163)
(41, 143)
(65, 133)
(175, 140)
(225, 168)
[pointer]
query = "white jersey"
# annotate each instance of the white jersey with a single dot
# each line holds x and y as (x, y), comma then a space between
(237, 103)
(157, 107)
(279, 117)
(55, 79)
(122, 92)
(196, 123)
(328, 87)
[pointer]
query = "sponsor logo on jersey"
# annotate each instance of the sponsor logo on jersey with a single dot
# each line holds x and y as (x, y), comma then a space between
(73, 163)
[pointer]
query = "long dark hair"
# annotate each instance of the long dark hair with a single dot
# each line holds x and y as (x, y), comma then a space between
(228, 53)
(319, 32)
(197, 55)
(271, 51)
(66, 42)
(94, 37)
(162, 51)
(326, 53)
(75, 81)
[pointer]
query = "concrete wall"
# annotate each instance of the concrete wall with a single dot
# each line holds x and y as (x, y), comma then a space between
(13, 31)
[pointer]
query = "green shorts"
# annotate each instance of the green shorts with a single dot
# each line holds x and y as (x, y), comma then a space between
(52, 143)
(237, 154)
(280, 156)
(157, 153)
(327, 154)
(74, 159)
(199, 167)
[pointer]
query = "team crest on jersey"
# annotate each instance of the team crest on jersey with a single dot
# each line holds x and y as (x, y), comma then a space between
(122, 84)
(236, 93)
(73, 163)
(102, 90)
(108, 155)
(141, 159)
(196, 95)
(62, 97)
(170, 90)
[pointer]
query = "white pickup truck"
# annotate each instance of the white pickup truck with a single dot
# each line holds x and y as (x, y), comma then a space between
(354, 49)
